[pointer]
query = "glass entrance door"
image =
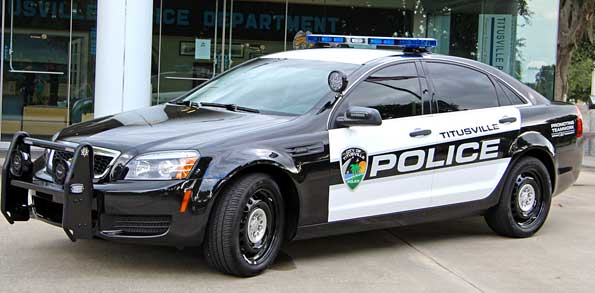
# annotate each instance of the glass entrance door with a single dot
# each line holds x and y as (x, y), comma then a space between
(35, 95)
(46, 65)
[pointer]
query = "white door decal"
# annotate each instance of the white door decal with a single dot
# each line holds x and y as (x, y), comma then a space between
(462, 159)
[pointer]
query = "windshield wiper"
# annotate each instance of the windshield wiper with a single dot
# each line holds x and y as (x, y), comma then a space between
(190, 104)
(229, 107)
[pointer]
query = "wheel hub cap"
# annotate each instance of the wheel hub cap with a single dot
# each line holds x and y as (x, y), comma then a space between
(526, 198)
(257, 224)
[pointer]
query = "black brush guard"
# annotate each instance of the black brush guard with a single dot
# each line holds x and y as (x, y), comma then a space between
(77, 189)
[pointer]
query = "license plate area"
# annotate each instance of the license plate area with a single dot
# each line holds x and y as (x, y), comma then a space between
(47, 210)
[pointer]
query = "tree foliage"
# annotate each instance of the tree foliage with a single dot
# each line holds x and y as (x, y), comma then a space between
(523, 10)
(580, 71)
(576, 20)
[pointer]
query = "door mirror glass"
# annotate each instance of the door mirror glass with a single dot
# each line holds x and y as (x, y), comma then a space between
(359, 116)
(337, 81)
(591, 102)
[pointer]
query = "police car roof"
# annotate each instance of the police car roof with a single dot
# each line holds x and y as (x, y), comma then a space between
(341, 55)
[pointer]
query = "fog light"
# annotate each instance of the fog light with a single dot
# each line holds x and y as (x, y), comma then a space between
(60, 171)
(20, 164)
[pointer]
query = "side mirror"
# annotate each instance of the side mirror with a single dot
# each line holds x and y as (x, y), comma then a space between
(591, 103)
(359, 116)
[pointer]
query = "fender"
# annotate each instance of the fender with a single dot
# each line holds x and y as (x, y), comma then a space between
(225, 167)
(530, 142)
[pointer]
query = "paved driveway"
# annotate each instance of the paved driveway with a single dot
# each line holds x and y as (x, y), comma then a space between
(455, 256)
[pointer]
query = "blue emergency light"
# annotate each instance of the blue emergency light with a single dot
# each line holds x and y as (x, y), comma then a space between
(362, 41)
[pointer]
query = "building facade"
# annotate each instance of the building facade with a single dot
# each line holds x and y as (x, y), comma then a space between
(67, 61)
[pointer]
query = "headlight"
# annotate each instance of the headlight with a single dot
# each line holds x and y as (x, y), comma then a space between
(162, 165)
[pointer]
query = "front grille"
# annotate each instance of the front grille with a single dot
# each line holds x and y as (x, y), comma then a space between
(141, 225)
(102, 160)
(101, 163)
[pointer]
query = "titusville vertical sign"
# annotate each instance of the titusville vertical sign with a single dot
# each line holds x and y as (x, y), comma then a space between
(496, 38)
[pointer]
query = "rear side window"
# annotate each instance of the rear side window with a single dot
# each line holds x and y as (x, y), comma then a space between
(512, 97)
(459, 88)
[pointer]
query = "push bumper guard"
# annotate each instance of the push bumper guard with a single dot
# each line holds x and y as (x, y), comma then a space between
(77, 187)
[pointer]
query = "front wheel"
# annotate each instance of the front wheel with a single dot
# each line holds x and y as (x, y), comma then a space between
(245, 231)
(525, 200)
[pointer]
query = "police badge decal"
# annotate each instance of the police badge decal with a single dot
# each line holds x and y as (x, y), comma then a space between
(354, 164)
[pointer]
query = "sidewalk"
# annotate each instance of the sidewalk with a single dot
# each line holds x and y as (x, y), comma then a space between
(589, 162)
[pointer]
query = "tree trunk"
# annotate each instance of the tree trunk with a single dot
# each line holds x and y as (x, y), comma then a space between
(561, 75)
(574, 21)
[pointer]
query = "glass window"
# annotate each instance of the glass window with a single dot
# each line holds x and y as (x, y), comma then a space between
(512, 97)
(393, 91)
(517, 37)
(48, 71)
(287, 86)
(503, 100)
(195, 41)
(458, 88)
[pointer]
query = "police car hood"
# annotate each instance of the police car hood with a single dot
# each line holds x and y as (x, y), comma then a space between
(168, 127)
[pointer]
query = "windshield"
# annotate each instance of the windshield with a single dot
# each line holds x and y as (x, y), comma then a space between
(287, 86)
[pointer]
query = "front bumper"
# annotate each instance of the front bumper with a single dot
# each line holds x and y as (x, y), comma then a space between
(128, 211)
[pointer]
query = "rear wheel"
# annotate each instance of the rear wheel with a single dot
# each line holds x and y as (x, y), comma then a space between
(525, 200)
(245, 231)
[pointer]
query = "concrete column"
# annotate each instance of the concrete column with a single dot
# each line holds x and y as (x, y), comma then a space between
(124, 42)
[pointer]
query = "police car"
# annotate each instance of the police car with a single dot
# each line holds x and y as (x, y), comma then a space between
(303, 144)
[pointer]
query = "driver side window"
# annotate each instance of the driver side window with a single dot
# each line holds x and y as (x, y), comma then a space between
(394, 91)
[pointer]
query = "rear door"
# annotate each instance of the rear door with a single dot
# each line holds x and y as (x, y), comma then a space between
(473, 131)
(381, 169)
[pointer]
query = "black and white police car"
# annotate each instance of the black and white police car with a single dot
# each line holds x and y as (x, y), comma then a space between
(303, 144)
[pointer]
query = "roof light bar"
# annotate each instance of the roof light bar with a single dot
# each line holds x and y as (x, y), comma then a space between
(425, 43)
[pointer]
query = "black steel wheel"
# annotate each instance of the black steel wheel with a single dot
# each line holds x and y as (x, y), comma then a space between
(245, 231)
(525, 200)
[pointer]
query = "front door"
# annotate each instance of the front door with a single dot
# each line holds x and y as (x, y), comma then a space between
(382, 169)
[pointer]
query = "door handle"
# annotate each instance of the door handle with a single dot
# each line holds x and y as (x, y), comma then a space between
(507, 120)
(418, 133)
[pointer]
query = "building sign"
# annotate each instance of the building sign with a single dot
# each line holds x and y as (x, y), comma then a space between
(266, 20)
(496, 40)
(203, 49)
(257, 20)
(52, 11)
(275, 22)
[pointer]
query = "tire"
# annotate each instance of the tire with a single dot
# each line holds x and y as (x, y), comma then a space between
(525, 200)
(251, 199)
